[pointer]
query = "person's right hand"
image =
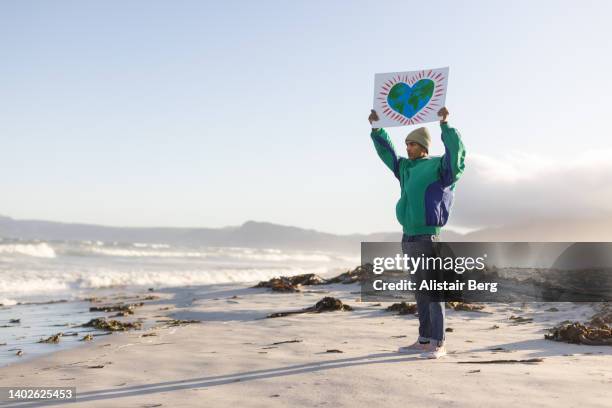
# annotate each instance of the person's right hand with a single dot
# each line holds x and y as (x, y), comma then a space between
(373, 116)
(443, 114)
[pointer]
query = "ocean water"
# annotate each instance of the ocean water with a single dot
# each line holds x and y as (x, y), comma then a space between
(35, 271)
(43, 283)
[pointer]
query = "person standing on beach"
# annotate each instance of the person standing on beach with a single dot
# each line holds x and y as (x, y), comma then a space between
(427, 185)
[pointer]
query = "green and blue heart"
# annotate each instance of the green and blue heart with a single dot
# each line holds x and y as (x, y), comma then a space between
(409, 100)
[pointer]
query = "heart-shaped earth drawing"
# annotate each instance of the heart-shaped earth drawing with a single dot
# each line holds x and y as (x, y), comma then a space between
(409, 100)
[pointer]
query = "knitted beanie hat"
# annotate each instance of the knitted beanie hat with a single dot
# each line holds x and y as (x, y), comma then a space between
(420, 136)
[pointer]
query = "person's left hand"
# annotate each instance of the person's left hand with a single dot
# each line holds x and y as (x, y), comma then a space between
(443, 114)
(373, 116)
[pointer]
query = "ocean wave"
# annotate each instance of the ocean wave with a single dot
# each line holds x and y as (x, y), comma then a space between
(41, 282)
(125, 252)
(242, 254)
(181, 278)
(7, 302)
(154, 246)
(39, 250)
(280, 257)
(9, 250)
(26, 283)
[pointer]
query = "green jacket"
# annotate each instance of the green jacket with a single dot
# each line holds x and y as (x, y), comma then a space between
(427, 184)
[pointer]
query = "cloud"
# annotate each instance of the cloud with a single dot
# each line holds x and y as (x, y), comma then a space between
(524, 187)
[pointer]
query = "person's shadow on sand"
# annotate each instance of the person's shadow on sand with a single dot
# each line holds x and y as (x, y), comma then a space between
(206, 382)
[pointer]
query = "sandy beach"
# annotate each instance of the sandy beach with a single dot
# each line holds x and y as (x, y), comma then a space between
(223, 204)
(235, 356)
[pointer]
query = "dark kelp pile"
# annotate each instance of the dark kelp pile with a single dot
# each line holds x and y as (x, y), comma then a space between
(112, 325)
(52, 339)
(177, 322)
(356, 275)
(293, 283)
(465, 307)
(579, 333)
(290, 283)
(327, 304)
(520, 319)
(403, 308)
(121, 307)
(596, 332)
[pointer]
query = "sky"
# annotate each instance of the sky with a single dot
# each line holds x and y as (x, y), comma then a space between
(209, 114)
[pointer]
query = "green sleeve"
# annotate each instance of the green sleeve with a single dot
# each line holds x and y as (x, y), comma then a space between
(453, 160)
(386, 151)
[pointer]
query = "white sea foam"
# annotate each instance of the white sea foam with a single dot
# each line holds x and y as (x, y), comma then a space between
(7, 302)
(183, 278)
(25, 286)
(38, 250)
(40, 282)
(243, 254)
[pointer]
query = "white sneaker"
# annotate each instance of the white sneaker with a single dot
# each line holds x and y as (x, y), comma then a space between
(435, 353)
(415, 348)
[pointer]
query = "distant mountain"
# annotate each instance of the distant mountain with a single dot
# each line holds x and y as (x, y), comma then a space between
(251, 234)
(267, 235)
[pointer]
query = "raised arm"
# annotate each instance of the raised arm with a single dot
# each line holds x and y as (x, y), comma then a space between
(453, 160)
(384, 146)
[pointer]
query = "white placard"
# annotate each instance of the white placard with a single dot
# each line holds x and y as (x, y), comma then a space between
(409, 98)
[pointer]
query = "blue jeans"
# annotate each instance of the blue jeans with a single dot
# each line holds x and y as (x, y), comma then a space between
(431, 313)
